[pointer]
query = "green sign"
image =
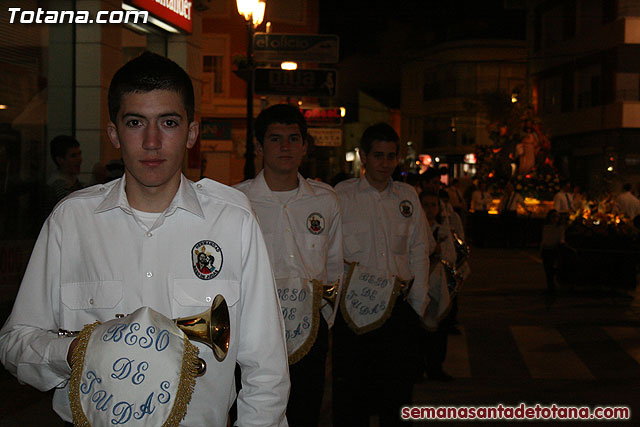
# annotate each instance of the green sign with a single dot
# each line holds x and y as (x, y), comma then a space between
(319, 48)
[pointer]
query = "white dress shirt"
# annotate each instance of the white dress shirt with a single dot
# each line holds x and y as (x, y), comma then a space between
(628, 204)
(95, 258)
(377, 234)
(480, 201)
(563, 202)
(294, 250)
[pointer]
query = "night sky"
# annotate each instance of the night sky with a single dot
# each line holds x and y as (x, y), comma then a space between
(416, 24)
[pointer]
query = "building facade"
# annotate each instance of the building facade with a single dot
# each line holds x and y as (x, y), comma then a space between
(585, 70)
(443, 112)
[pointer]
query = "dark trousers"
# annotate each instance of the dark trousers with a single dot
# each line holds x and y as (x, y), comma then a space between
(435, 342)
(307, 382)
(375, 372)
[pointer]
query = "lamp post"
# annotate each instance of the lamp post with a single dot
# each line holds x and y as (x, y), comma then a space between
(253, 12)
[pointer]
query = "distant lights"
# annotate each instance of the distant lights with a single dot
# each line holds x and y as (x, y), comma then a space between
(343, 111)
(470, 158)
(289, 65)
(3, 106)
(350, 156)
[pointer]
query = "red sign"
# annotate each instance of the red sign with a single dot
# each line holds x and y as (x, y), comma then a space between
(175, 12)
(322, 116)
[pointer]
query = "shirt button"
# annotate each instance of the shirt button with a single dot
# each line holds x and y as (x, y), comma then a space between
(149, 234)
(91, 301)
(290, 255)
(101, 189)
(208, 299)
(199, 185)
(149, 274)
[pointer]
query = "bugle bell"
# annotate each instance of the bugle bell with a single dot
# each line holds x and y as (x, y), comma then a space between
(211, 327)
(330, 292)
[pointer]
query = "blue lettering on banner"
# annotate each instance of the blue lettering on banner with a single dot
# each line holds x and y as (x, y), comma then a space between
(138, 377)
(121, 368)
(145, 408)
(165, 395)
(131, 338)
(123, 411)
(86, 389)
(114, 333)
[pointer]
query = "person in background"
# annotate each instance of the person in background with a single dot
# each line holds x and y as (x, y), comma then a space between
(578, 197)
(302, 227)
(552, 237)
(563, 201)
(480, 201)
(508, 210)
(375, 354)
(626, 203)
(67, 155)
(442, 248)
(456, 198)
(136, 242)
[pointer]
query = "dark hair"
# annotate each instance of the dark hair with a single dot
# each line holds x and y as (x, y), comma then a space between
(146, 73)
(60, 145)
(429, 193)
(378, 132)
(280, 113)
(627, 186)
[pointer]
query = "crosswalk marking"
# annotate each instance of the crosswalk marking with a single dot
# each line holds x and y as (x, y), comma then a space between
(547, 354)
(457, 360)
(627, 337)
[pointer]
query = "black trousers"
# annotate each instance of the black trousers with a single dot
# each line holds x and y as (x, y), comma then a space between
(375, 372)
(435, 342)
(307, 382)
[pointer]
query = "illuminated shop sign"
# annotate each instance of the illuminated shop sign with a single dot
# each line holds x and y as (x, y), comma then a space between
(174, 12)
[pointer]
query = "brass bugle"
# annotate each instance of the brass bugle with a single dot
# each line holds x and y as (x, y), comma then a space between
(211, 327)
(330, 292)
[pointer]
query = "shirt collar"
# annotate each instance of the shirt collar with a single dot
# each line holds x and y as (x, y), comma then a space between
(185, 198)
(259, 188)
(391, 189)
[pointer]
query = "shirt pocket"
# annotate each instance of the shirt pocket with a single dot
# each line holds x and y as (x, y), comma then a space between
(355, 237)
(314, 242)
(193, 296)
(85, 302)
(399, 244)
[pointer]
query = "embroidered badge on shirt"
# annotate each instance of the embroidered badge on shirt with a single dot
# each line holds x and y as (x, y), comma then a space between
(406, 208)
(315, 223)
(206, 257)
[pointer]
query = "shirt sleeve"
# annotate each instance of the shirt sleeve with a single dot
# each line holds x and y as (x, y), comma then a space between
(262, 352)
(29, 344)
(419, 261)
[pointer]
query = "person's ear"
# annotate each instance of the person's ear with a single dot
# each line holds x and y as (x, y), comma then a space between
(259, 149)
(112, 132)
(194, 130)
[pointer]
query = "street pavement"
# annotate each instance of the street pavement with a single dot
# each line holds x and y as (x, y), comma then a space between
(580, 347)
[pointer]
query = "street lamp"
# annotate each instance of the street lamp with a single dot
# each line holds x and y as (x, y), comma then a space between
(253, 12)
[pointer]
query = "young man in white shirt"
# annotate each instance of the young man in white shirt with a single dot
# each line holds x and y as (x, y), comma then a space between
(375, 341)
(136, 241)
(300, 219)
(563, 200)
